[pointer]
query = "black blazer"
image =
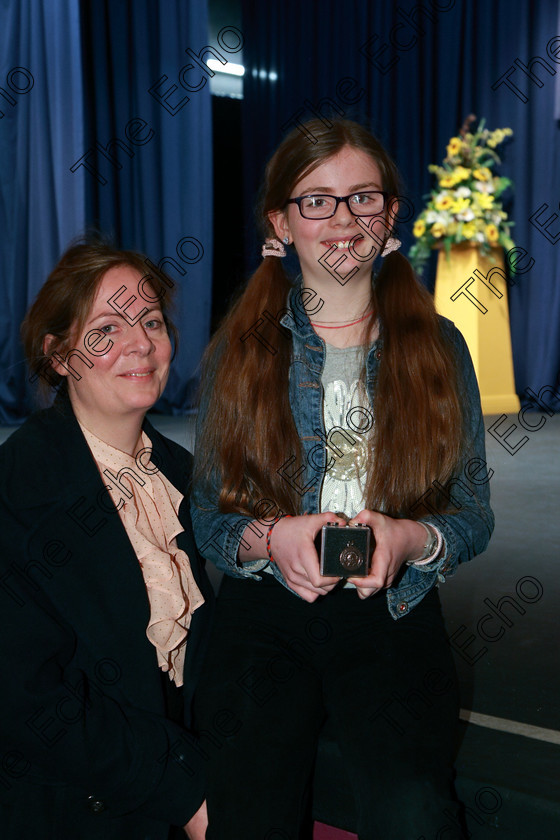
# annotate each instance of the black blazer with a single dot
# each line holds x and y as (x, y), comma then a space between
(86, 749)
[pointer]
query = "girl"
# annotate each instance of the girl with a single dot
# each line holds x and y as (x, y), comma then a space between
(340, 396)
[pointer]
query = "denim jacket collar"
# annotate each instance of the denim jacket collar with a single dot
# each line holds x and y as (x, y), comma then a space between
(296, 319)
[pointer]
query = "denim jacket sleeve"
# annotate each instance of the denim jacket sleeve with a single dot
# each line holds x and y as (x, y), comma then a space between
(467, 532)
(219, 535)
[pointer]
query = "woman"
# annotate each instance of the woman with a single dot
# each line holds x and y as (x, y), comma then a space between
(341, 396)
(104, 599)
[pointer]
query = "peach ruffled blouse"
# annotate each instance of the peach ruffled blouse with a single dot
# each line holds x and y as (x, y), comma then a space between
(149, 515)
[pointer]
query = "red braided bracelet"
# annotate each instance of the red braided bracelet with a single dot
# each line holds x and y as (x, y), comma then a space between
(269, 532)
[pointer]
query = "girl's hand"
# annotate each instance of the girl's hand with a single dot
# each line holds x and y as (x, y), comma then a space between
(293, 549)
(397, 540)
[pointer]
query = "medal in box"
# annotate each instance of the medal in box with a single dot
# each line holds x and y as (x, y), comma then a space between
(344, 550)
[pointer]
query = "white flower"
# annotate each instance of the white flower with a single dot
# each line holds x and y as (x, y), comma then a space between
(496, 219)
(431, 217)
(466, 215)
(462, 192)
(484, 186)
(479, 236)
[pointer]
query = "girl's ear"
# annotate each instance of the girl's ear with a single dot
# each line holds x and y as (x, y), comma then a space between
(279, 221)
(392, 211)
(48, 341)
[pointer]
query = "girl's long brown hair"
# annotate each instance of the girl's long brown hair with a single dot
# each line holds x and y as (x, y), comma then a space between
(248, 431)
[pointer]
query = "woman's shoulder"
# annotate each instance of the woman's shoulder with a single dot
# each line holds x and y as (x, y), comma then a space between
(34, 458)
(40, 428)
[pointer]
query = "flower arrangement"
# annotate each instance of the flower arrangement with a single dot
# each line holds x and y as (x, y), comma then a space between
(464, 207)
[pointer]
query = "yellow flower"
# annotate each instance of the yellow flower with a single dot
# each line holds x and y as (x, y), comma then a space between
(419, 228)
(492, 233)
(460, 173)
(454, 146)
(446, 181)
(498, 136)
(443, 201)
(482, 174)
(437, 230)
(485, 201)
(459, 205)
(469, 230)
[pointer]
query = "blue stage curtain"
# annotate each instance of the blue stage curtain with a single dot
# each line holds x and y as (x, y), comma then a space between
(414, 71)
(89, 146)
(41, 203)
(157, 195)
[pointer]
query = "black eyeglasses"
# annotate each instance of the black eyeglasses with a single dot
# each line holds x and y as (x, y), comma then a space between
(370, 203)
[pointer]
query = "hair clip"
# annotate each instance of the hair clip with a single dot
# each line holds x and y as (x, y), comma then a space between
(392, 244)
(273, 248)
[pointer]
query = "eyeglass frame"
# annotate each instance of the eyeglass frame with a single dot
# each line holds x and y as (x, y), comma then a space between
(338, 199)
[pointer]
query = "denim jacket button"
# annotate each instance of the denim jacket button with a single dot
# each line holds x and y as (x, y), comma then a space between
(402, 607)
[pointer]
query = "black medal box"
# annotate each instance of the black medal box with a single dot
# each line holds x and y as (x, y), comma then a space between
(344, 550)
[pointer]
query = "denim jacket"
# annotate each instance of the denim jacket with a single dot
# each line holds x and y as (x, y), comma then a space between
(465, 532)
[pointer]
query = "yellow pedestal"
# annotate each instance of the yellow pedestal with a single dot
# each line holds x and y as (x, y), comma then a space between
(471, 291)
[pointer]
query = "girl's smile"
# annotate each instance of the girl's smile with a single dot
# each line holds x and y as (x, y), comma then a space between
(350, 171)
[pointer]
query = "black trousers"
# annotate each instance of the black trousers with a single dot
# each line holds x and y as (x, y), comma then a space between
(277, 667)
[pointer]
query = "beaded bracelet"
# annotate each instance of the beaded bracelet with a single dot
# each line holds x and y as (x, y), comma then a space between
(269, 532)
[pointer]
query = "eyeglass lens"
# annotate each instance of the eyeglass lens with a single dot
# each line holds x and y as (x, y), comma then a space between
(360, 204)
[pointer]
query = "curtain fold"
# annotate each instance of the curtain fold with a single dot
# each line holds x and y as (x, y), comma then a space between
(108, 138)
(415, 70)
(152, 146)
(41, 205)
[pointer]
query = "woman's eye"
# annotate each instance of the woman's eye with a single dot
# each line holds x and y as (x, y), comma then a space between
(361, 198)
(108, 328)
(153, 324)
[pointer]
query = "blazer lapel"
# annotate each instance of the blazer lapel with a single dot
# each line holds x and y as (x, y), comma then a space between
(89, 569)
(79, 548)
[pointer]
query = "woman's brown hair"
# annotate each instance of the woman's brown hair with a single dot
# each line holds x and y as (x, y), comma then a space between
(248, 431)
(63, 303)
